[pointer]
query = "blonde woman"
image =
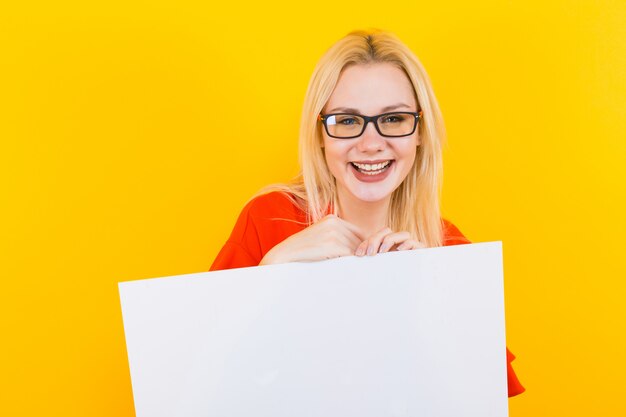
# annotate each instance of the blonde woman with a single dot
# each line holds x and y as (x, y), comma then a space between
(370, 152)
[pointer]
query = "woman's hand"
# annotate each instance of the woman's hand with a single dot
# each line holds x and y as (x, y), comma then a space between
(331, 237)
(386, 240)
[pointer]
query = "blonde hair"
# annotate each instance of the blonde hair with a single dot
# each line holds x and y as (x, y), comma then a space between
(414, 205)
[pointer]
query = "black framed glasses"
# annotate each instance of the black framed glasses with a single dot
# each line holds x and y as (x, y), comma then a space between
(389, 125)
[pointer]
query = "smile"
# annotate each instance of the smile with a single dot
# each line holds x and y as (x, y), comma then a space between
(371, 169)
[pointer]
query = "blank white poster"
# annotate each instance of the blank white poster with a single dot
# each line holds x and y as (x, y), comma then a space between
(412, 333)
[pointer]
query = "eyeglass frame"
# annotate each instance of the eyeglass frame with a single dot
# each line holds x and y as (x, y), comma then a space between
(374, 119)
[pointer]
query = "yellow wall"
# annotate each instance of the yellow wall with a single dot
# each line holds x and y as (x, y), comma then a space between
(131, 135)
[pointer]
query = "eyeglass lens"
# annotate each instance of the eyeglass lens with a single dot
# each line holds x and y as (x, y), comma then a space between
(350, 125)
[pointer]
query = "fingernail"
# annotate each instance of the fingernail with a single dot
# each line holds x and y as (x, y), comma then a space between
(359, 252)
(383, 248)
(370, 250)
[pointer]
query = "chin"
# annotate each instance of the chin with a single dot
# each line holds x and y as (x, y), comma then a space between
(369, 193)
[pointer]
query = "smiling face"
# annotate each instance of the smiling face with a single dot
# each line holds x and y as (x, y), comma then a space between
(370, 167)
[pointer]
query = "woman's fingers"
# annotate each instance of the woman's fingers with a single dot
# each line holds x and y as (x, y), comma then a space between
(371, 245)
(333, 237)
(410, 245)
(407, 245)
(361, 249)
(351, 232)
(343, 236)
(385, 240)
(402, 238)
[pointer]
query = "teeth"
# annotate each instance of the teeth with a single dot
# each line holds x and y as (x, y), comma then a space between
(372, 172)
(370, 167)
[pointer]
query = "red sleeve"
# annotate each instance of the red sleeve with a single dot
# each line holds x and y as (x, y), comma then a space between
(453, 236)
(242, 249)
(515, 387)
(264, 222)
(232, 256)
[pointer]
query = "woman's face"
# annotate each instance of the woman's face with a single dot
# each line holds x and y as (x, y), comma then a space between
(370, 90)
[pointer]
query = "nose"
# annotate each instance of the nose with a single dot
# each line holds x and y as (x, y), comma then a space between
(371, 140)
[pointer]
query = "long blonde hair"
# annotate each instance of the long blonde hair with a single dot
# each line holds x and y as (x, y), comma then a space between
(414, 205)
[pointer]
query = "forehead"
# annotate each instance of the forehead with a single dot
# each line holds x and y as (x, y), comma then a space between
(370, 88)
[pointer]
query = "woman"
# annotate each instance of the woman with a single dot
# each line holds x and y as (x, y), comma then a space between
(370, 150)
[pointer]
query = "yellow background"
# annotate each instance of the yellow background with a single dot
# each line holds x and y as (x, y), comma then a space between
(133, 132)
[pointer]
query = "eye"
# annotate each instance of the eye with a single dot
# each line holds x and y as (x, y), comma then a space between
(393, 118)
(347, 120)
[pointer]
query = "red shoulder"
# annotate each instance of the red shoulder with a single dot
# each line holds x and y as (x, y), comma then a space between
(452, 235)
(264, 221)
(275, 203)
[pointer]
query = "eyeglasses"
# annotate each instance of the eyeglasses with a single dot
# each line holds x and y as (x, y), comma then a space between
(389, 125)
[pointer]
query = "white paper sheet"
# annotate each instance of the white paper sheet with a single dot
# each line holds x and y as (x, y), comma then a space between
(413, 333)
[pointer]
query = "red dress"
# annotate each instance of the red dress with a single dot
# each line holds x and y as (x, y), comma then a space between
(269, 219)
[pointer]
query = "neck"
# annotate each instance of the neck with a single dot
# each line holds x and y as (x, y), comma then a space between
(369, 217)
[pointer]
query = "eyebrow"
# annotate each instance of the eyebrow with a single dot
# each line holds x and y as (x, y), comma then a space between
(383, 110)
